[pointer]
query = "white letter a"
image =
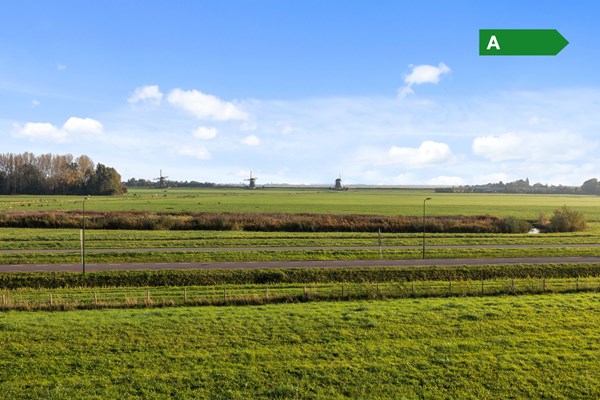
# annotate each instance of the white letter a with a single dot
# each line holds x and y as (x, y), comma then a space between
(493, 43)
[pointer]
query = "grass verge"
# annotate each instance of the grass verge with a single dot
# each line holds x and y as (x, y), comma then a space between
(533, 347)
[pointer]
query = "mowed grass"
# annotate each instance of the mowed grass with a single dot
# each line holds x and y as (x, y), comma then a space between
(321, 201)
(69, 239)
(530, 347)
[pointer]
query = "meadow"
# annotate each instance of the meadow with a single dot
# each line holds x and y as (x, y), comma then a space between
(533, 347)
(381, 333)
(319, 201)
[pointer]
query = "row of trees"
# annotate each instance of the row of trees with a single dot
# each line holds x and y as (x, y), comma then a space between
(27, 173)
(146, 183)
(591, 186)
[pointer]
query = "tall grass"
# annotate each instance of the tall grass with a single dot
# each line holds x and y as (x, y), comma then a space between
(204, 277)
(261, 222)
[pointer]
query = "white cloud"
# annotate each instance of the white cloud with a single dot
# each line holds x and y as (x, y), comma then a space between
(199, 152)
(536, 147)
(248, 126)
(35, 103)
(447, 181)
(286, 129)
(146, 94)
(251, 140)
(205, 106)
(83, 125)
(41, 131)
(205, 133)
(429, 153)
(60, 66)
(421, 74)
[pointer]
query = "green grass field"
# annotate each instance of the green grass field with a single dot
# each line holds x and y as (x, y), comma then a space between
(529, 347)
(356, 201)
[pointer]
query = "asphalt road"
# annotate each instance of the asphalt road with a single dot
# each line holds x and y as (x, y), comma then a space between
(292, 264)
(308, 248)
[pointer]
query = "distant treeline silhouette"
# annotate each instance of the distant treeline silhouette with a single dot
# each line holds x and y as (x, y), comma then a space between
(591, 186)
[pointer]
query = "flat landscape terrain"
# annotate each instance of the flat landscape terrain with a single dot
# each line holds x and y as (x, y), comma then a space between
(319, 201)
(530, 347)
(220, 328)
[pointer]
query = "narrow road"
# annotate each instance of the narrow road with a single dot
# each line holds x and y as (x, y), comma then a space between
(305, 248)
(294, 264)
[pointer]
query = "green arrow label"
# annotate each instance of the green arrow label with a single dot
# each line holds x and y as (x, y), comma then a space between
(520, 42)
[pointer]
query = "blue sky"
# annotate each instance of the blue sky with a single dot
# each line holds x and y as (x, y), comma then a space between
(383, 92)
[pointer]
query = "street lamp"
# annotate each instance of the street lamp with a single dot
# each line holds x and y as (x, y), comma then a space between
(424, 201)
(82, 236)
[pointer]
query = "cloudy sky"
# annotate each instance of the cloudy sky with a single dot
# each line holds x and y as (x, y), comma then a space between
(382, 92)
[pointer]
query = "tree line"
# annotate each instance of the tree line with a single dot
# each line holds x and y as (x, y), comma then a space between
(523, 186)
(27, 173)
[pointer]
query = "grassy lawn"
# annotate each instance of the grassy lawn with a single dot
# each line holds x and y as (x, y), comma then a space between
(65, 239)
(289, 255)
(529, 347)
(357, 201)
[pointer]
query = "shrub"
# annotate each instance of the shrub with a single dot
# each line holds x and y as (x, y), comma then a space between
(566, 220)
(515, 225)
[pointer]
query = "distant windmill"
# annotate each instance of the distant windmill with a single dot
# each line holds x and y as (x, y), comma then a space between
(251, 181)
(162, 180)
(338, 183)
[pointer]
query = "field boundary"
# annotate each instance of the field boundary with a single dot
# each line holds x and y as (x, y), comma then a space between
(128, 297)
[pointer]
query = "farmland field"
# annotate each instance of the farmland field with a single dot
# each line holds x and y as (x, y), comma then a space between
(321, 201)
(528, 346)
(545, 346)
(168, 246)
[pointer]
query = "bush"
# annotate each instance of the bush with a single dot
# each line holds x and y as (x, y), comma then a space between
(566, 220)
(515, 225)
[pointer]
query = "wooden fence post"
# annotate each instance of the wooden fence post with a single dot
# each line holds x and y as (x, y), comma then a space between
(482, 286)
(95, 298)
(544, 284)
(577, 284)
(184, 295)
(450, 287)
(412, 288)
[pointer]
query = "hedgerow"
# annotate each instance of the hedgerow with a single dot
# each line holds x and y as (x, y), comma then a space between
(264, 222)
(293, 275)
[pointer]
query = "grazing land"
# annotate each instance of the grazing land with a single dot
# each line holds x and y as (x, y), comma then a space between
(535, 347)
(319, 201)
(409, 332)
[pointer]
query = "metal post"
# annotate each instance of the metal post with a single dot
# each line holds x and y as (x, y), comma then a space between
(424, 201)
(83, 238)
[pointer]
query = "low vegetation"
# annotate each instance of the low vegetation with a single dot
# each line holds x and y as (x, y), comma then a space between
(204, 277)
(263, 222)
(567, 220)
(533, 347)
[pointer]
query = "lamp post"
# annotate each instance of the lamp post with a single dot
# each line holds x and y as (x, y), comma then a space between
(424, 201)
(83, 237)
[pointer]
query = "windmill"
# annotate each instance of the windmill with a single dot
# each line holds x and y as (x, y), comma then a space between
(338, 183)
(162, 180)
(251, 181)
